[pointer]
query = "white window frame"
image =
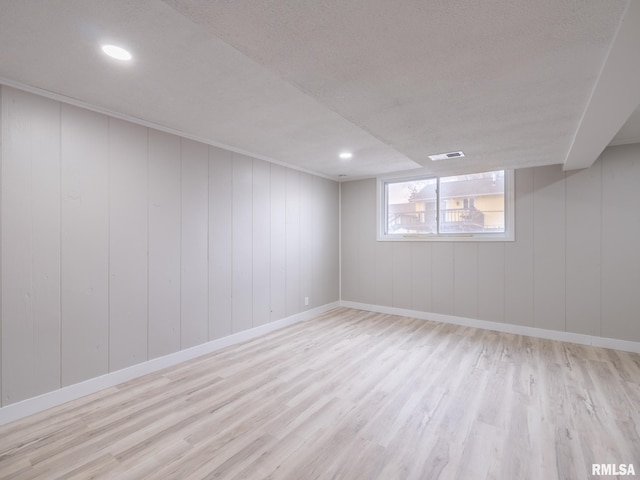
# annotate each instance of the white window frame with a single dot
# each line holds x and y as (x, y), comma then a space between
(381, 215)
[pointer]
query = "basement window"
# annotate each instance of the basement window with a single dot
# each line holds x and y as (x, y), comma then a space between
(473, 207)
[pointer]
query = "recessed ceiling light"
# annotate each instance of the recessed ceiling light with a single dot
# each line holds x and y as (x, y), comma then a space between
(447, 156)
(116, 52)
(346, 155)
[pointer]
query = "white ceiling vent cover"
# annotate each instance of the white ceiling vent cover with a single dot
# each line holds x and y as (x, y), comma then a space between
(446, 156)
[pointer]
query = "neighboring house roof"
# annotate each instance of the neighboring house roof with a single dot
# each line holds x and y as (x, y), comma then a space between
(472, 187)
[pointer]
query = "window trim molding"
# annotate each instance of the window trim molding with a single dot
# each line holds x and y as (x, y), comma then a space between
(509, 214)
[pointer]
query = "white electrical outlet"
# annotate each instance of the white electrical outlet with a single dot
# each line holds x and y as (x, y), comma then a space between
(306, 301)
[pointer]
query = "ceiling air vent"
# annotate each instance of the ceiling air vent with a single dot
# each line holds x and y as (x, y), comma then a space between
(446, 156)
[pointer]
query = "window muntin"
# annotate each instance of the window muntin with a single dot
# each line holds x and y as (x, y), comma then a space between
(474, 206)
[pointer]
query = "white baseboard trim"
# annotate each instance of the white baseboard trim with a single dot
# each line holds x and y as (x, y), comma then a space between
(570, 337)
(24, 408)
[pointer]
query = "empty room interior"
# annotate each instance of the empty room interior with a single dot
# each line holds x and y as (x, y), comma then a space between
(319, 239)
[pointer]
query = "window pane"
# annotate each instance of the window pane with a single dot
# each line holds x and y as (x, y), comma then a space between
(472, 203)
(411, 206)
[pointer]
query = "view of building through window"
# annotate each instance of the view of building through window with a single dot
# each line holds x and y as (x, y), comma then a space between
(472, 203)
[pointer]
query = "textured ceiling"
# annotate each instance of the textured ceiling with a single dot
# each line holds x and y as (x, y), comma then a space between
(297, 81)
(630, 132)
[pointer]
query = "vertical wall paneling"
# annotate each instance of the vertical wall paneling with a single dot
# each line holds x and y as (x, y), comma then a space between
(3, 134)
(30, 245)
(421, 276)
(325, 237)
(518, 276)
(359, 245)
(332, 240)
(261, 242)
(583, 227)
(128, 240)
(120, 244)
(194, 284)
(350, 240)
(549, 247)
(220, 242)
(367, 260)
(574, 265)
(466, 279)
(293, 241)
(384, 273)
(242, 243)
(620, 241)
(442, 278)
(84, 244)
(315, 241)
(491, 286)
(278, 248)
(306, 220)
(402, 274)
(164, 243)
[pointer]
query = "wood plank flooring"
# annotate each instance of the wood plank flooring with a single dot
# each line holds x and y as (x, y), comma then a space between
(350, 395)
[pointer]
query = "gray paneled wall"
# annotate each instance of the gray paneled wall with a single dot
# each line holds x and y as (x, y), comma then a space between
(575, 264)
(84, 248)
(121, 243)
(128, 241)
(30, 227)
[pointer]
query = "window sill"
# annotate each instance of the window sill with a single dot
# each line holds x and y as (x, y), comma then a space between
(450, 237)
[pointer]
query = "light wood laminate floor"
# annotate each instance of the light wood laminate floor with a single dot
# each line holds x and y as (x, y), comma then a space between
(350, 395)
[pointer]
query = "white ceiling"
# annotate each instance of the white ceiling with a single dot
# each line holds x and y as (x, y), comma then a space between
(630, 132)
(298, 81)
